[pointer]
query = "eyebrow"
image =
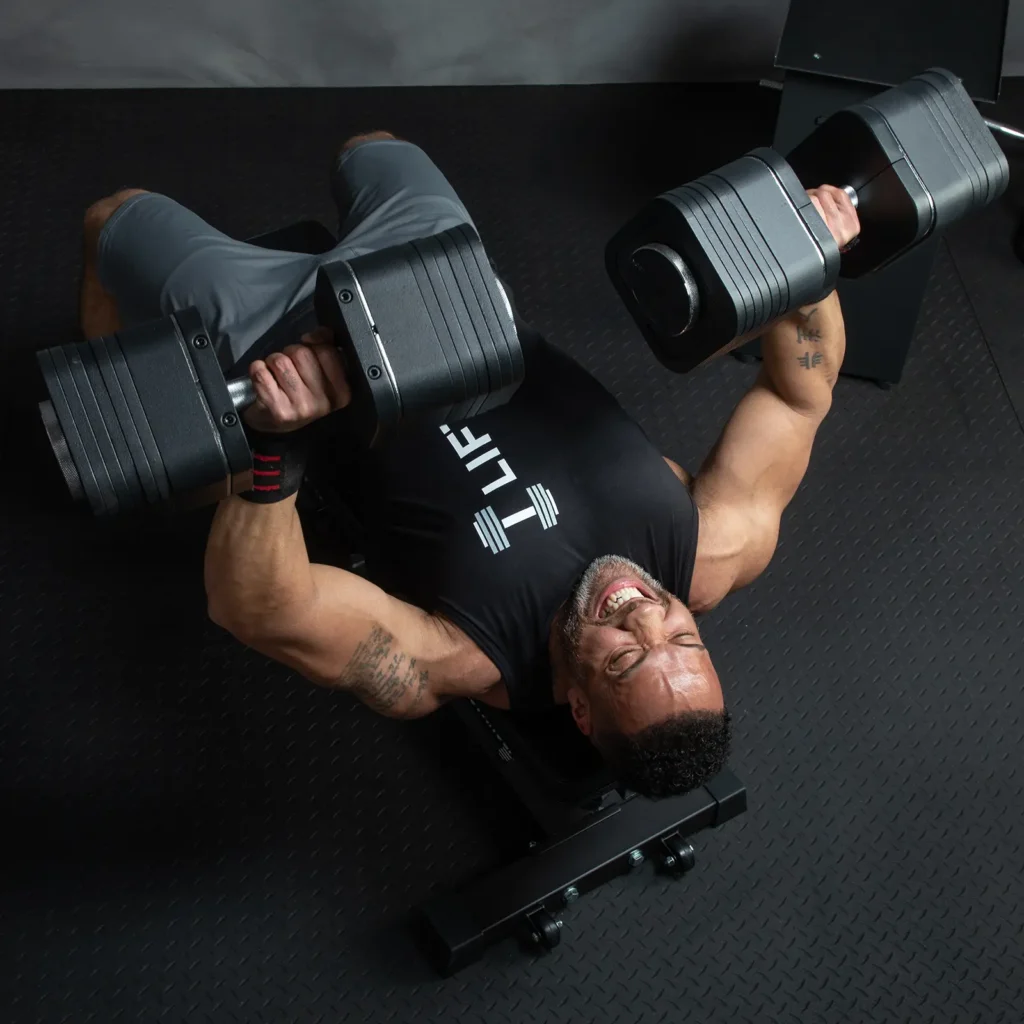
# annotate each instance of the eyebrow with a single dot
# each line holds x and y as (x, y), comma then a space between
(643, 657)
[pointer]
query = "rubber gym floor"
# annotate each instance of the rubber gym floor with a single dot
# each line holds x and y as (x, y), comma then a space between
(193, 834)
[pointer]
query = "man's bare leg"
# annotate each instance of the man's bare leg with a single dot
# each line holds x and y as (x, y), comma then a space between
(355, 140)
(98, 310)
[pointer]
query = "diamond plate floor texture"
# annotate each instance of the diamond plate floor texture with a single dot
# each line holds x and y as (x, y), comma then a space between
(193, 834)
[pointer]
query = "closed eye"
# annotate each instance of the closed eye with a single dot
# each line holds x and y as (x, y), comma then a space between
(620, 664)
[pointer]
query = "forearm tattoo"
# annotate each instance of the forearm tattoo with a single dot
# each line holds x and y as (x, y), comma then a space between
(806, 333)
(383, 677)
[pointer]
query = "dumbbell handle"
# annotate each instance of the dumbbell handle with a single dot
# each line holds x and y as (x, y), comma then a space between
(242, 393)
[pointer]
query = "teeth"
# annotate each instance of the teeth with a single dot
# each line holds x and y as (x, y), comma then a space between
(618, 599)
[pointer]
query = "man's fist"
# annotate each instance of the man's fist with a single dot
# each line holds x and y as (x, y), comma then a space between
(299, 385)
(838, 213)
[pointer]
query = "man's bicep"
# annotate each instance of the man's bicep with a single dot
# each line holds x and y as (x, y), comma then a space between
(761, 458)
(746, 483)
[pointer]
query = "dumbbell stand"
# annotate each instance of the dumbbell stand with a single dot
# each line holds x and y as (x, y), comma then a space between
(586, 842)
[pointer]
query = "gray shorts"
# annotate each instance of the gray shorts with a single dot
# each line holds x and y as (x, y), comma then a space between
(155, 256)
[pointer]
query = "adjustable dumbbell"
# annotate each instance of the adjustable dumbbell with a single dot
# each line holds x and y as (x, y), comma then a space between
(712, 263)
(145, 416)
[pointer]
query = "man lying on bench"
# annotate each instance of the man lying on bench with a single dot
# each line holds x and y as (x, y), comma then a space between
(541, 553)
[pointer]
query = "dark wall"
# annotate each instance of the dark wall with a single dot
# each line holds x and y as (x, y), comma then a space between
(126, 43)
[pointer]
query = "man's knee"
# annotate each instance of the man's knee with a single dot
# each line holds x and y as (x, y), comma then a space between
(358, 140)
(102, 210)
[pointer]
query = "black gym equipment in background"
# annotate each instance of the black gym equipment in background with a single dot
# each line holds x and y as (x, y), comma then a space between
(882, 42)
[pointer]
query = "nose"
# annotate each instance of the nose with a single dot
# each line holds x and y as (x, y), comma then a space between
(647, 623)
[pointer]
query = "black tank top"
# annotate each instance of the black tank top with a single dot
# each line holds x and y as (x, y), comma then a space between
(490, 522)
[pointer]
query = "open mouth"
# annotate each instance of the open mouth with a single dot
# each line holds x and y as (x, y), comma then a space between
(620, 593)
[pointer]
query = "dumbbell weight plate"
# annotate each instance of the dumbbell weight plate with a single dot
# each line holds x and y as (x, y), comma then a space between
(445, 289)
(484, 313)
(895, 208)
(946, 141)
(707, 205)
(743, 220)
(482, 327)
(145, 454)
(508, 329)
(993, 168)
(735, 305)
(783, 240)
(488, 368)
(664, 222)
(451, 265)
(461, 369)
(784, 253)
(146, 416)
(737, 224)
(738, 289)
(665, 288)
(496, 325)
(59, 444)
(732, 217)
(919, 156)
(341, 306)
(488, 328)
(741, 289)
(425, 333)
(120, 467)
(790, 242)
(74, 416)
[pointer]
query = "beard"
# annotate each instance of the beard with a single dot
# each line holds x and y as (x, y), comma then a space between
(574, 616)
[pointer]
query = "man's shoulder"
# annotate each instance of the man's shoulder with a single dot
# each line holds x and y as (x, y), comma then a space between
(732, 551)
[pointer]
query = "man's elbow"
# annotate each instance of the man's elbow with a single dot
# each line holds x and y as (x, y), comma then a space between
(274, 640)
(229, 619)
(247, 625)
(221, 605)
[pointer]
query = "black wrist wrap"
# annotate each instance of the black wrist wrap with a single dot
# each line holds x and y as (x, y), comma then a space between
(279, 464)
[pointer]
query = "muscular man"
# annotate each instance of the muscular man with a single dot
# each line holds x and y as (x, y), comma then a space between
(541, 553)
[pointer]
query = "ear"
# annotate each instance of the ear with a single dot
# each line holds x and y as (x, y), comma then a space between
(579, 704)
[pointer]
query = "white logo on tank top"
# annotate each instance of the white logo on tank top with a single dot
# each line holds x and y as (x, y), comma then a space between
(492, 528)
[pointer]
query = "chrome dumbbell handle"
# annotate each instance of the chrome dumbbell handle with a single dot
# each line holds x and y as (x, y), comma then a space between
(242, 393)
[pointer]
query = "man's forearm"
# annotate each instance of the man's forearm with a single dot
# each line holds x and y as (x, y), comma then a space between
(804, 353)
(329, 625)
(257, 569)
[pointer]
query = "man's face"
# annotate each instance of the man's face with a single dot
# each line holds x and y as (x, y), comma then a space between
(628, 653)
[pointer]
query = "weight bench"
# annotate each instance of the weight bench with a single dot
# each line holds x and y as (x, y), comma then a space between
(591, 829)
